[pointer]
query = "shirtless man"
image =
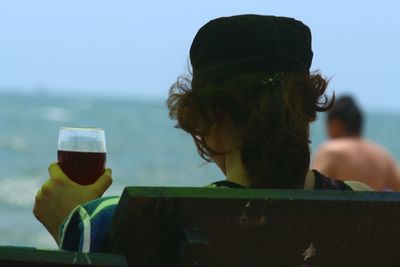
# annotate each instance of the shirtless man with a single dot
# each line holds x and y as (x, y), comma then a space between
(348, 156)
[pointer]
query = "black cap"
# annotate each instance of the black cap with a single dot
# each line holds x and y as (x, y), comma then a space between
(229, 46)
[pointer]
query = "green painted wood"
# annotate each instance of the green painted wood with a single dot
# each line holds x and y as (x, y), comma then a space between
(31, 257)
(247, 227)
(195, 192)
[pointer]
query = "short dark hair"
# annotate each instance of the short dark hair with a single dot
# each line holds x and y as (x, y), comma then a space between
(348, 113)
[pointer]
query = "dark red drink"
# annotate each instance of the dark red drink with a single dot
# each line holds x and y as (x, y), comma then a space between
(82, 167)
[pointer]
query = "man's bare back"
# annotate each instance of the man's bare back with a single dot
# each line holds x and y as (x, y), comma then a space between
(355, 158)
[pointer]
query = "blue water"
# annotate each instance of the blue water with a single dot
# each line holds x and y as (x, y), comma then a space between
(143, 148)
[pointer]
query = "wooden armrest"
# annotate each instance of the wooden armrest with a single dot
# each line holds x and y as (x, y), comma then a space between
(31, 257)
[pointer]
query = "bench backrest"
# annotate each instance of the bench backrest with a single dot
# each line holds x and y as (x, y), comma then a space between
(156, 226)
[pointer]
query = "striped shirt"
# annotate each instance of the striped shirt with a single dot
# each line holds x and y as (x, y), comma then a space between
(86, 227)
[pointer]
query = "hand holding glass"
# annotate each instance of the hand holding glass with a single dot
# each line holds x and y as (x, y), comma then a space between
(82, 153)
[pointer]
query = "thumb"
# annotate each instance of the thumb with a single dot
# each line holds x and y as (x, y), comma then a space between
(103, 183)
(55, 171)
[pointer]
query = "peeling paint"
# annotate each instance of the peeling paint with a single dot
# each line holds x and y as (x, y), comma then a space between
(248, 204)
(243, 220)
(87, 258)
(310, 252)
(263, 220)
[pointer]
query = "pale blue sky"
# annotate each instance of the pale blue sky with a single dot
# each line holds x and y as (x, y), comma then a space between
(137, 48)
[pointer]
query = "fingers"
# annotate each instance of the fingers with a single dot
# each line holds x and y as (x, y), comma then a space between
(56, 172)
(38, 201)
(58, 176)
(99, 187)
(103, 183)
(42, 199)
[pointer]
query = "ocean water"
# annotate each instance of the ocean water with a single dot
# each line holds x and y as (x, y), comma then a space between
(143, 148)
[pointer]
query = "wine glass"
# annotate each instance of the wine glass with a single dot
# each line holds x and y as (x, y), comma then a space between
(82, 153)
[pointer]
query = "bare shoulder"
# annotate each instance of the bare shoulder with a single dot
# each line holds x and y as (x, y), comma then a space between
(352, 146)
(354, 150)
(378, 154)
(376, 149)
(334, 153)
(327, 157)
(334, 148)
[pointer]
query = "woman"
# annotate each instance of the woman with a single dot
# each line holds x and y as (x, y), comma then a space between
(248, 106)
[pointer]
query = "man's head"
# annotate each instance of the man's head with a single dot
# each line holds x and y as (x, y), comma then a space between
(345, 119)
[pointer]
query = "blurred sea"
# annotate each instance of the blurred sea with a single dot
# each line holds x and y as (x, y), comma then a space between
(143, 148)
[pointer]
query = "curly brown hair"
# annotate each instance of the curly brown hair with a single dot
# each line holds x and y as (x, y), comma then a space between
(272, 116)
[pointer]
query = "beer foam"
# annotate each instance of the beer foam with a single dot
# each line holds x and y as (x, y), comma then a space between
(85, 140)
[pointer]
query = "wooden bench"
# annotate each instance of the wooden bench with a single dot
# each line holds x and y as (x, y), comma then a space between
(31, 257)
(156, 226)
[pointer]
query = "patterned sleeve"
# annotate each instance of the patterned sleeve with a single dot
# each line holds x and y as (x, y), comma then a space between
(87, 226)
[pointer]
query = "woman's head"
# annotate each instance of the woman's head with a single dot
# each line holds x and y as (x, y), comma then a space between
(250, 78)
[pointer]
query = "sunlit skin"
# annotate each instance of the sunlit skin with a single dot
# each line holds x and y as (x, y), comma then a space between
(351, 157)
(221, 139)
(59, 196)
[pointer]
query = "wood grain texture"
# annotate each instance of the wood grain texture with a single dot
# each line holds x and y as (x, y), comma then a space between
(239, 227)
